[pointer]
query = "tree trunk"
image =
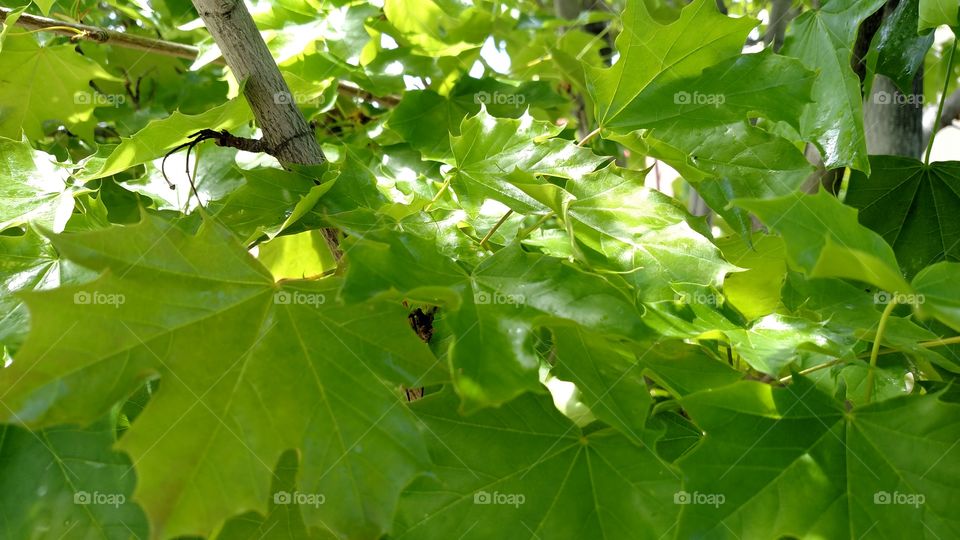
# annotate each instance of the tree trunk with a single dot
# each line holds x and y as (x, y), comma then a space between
(893, 122)
(780, 15)
(567, 9)
(284, 128)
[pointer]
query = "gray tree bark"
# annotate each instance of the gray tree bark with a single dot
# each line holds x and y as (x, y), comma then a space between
(285, 130)
(780, 15)
(893, 122)
(567, 9)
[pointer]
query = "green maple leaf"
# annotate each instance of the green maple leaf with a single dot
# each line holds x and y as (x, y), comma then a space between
(683, 369)
(271, 200)
(823, 40)
(608, 376)
(775, 87)
(823, 239)
(940, 292)
(426, 119)
(492, 309)
(505, 159)
(417, 117)
(240, 383)
(755, 292)
(249, 369)
(643, 234)
(439, 28)
(25, 262)
(653, 55)
(848, 311)
(215, 175)
(282, 521)
(32, 188)
(28, 262)
(45, 5)
(729, 162)
(792, 462)
(67, 483)
(933, 13)
(772, 342)
(897, 50)
(611, 374)
(913, 206)
(525, 467)
(159, 137)
(44, 83)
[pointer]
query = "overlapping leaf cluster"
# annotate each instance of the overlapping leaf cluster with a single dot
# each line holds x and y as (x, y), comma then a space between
(601, 363)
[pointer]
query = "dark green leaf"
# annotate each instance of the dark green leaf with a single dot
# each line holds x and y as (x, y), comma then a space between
(914, 208)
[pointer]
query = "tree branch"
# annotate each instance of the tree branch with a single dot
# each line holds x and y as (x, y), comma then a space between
(285, 130)
(83, 32)
(781, 13)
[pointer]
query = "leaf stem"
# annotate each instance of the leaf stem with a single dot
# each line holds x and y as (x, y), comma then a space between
(817, 367)
(483, 243)
(943, 98)
(881, 328)
(942, 342)
(530, 229)
(446, 184)
(589, 136)
(70, 29)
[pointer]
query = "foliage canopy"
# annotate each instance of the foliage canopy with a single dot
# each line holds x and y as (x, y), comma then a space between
(596, 360)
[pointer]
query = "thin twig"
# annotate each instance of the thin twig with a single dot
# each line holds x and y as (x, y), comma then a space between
(589, 136)
(943, 98)
(881, 328)
(523, 234)
(953, 340)
(483, 243)
(817, 367)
